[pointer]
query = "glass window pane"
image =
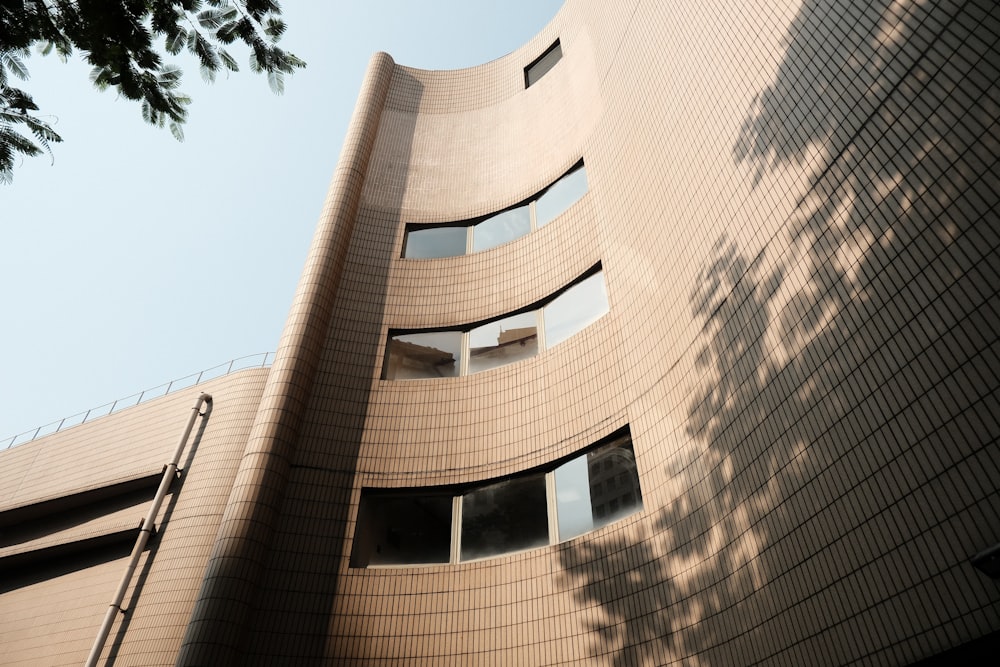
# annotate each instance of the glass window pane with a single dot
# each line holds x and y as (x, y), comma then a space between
(435, 242)
(502, 227)
(614, 482)
(540, 67)
(576, 516)
(504, 517)
(423, 355)
(503, 342)
(560, 196)
(596, 489)
(575, 309)
(402, 529)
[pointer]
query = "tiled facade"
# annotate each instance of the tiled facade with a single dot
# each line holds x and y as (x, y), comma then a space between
(795, 208)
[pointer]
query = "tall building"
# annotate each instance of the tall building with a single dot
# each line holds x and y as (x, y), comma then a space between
(671, 337)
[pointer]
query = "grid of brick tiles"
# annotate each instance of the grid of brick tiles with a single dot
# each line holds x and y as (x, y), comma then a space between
(795, 208)
(54, 620)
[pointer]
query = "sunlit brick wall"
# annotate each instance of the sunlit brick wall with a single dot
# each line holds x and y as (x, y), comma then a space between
(50, 613)
(795, 207)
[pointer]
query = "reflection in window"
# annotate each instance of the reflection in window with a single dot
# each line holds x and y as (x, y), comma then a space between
(560, 196)
(591, 490)
(431, 242)
(575, 309)
(503, 342)
(590, 495)
(423, 355)
(501, 228)
(411, 356)
(504, 517)
(426, 242)
(400, 529)
(543, 64)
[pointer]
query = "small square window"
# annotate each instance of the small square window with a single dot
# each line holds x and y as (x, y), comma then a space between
(402, 528)
(504, 517)
(540, 67)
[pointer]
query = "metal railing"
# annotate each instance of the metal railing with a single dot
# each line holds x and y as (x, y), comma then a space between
(260, 360)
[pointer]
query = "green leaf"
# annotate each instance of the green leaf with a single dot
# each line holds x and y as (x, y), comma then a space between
(14, 64)
(101, 77)
(228, 33)
(274, 28)
(228, 61)
(211, 19)
(177, 130)
(204, 50)
(276, 80)
(124, 57)
(176, 41)
(169, 76)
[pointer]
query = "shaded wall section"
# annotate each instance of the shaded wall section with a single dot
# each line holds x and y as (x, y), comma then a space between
(220, 626)
(836, 459)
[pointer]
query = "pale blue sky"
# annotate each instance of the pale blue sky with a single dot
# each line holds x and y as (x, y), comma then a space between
(135, 259)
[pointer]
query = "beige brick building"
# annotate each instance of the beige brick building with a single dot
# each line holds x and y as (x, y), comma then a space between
(671, 337)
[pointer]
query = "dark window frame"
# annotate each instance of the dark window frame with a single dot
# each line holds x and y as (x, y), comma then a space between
(529, 69)
(464, 329)
(621, 437)
(470, 223)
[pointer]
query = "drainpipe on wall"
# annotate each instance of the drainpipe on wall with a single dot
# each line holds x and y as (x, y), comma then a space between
(145, 532)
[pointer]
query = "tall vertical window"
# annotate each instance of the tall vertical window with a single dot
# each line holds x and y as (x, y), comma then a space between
(575, 309)
(560, 196)
(541, 65)
(596, 489)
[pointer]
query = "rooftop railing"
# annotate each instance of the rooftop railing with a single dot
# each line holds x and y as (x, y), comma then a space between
(260, 360)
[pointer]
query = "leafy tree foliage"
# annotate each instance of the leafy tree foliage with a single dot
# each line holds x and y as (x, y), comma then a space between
(121, 39)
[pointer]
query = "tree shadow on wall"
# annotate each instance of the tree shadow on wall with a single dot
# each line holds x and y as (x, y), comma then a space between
(860, 342)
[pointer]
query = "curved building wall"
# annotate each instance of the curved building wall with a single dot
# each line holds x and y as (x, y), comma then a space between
(794, 207)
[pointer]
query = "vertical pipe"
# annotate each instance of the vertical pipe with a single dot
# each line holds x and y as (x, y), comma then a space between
(222, 609)
(145, 532)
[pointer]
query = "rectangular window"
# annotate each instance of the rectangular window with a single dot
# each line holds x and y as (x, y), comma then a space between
(503, 342)
(397, 529)
(453, 239)
(433, 242)
(540, 67)
(575, 309)
(435, 354)
(587, 495)
(504, 517)
(501, 228)
(582, 494)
